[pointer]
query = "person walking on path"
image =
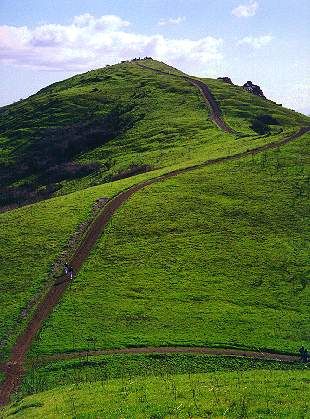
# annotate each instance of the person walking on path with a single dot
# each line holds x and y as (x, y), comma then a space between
(70, 272)
(66, 268)
(303, 354)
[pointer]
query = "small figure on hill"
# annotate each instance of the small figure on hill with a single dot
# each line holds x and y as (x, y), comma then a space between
(303, 354)
(70, 272)
(66, 268)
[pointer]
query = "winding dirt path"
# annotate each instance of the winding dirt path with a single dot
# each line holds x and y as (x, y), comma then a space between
(14, 369)
(203, 350)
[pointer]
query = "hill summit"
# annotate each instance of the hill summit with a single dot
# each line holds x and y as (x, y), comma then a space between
(116, 122)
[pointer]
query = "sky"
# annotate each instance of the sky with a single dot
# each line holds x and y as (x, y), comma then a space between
(265, 41)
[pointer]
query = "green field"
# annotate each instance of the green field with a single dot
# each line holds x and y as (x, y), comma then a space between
(216, 257)
(262, 393)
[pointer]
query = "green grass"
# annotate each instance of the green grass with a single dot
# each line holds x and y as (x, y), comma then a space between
(261, 394)
(147, 102)
(139, 107)
(34, 237)
(239, 107)
(216, 257)
(96, 368)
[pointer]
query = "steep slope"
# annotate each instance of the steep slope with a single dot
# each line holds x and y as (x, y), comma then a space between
(111, 123)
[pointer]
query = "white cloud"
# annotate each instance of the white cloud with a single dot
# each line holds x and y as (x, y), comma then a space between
(256, 42)
(90, 42)
(246, 10)
(293, 95)
(172, 21)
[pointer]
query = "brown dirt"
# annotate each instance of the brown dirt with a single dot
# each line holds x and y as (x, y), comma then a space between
(14, 367)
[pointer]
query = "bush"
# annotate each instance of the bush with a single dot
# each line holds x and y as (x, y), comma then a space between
(261, 124)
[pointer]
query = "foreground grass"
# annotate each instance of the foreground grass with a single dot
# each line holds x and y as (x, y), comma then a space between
(216, 257)
(261, 393)
(105, 367)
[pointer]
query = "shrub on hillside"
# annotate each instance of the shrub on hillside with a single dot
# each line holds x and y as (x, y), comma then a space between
(261, 124)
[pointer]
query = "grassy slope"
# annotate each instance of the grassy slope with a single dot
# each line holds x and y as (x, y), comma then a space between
(214, 257)
(262, 394)
(156, 135)
(46, 230)
(47, 227)
(239, 108)
(33, 239)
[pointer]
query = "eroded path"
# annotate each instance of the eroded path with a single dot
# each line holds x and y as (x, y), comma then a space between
(203, 350)
(14, 368)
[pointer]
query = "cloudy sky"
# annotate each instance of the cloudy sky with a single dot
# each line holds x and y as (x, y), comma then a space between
(266, 41)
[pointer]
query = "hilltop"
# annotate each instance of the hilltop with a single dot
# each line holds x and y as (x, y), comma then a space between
(116, 122)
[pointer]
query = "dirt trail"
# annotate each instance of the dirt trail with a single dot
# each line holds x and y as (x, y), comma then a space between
(203, 350)
(14, 367)
(216, 114)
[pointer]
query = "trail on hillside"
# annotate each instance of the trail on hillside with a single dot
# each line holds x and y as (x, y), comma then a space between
(14, 367)
(216, 114)
(202, 350)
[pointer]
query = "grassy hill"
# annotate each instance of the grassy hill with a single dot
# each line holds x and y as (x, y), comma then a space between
(214, 257)
(113, 123)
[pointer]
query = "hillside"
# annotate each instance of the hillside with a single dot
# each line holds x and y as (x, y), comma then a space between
(187, 233)
(215, 257)
(116, 122)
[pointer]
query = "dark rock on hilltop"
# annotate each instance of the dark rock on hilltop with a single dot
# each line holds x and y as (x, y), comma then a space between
(226, 80)
(254, 89)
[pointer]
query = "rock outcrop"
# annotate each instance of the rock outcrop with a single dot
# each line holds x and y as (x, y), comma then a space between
(254, 89)
(226, 80)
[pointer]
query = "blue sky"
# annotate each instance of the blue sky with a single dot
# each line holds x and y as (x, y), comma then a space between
(266, 41)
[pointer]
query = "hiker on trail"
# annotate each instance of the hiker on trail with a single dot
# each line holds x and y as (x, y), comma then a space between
(66, 268)
(303, 354)
(70, 272)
